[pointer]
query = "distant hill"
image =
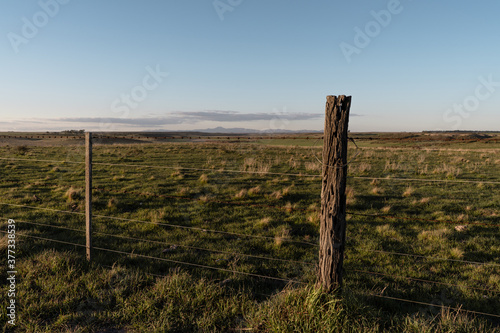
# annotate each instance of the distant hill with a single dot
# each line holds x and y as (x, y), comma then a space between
(238, 130)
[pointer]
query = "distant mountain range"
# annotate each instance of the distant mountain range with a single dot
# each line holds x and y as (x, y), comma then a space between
(237, 130)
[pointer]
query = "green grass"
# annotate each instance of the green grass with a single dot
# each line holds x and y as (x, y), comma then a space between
(457, 221)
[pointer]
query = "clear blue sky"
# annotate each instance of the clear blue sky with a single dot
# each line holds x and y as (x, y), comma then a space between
(251, 63)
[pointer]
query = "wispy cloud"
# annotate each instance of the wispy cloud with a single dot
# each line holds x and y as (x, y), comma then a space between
(194, 117)
(174, 120)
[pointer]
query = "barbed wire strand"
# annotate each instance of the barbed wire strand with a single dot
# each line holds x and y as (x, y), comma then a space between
(141, 137)
(198, 265)
(288, 208)
(50, 226)
(42, 208)
(458, 181)
(312, 244)
(166, 276)
(422, 219)
(164, 259)
(433, 305)
(436, 258)
(164, 243)
(206, 169)
(46, 239)
(162, 224)
(204, 249)
(37, 160)
(243, 273)
(419, 280)
(199, 229)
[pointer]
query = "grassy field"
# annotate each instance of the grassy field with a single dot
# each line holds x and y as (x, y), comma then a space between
(221, 235)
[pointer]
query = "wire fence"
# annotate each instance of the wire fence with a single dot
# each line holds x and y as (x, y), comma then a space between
(231, 202)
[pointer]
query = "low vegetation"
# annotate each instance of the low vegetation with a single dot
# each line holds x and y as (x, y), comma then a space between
(419, 253)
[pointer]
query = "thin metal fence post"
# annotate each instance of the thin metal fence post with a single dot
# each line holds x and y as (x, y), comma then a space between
(88, 193)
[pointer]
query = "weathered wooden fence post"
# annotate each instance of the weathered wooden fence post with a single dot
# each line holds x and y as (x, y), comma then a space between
(333, 198)
(88, 192)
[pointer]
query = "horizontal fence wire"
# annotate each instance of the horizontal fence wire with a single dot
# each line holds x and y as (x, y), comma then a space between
(436, 258)
(42, 208)
(420, 280)
(422, 219)
(225, 202)
(97, 136)
(205, 249)
(165, 243)
(165, 260)
(467, 181)
(250, 274)
(206, 169)
(49, 226)
(166, 276)
(198, 265)
(161, 224)
(201, 229)
(456, 181)
(249, 137)
(286, 208)
(293, 241)
(47, 239)
(444, 307)
(37, 160)
(431, 180)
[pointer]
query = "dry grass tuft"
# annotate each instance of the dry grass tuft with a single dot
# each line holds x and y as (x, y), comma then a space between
(439, 235)
(264, 222)
(456, 253)
(386, 209)
(204, 198)
(387, 231)
(293, 163)
(408, 192)
(276, 195)
(314, 217)
(112, 203)
(450, 170)
(312, 166)
(286, 190)
(377, 190)
(241, 194)
(177, 174)
(254, 190)
(350, 195)
(183, 191)
(425, 200)
(364, 167)
(250, 164)
(74, 194)
(203, 179)
(289, 207)
(282, 235)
